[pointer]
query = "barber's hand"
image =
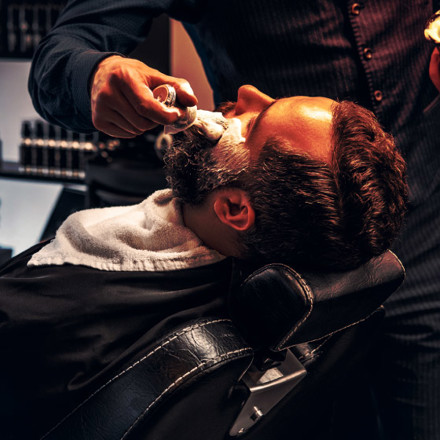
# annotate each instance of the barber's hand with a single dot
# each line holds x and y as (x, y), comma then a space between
(434, 68)
(122, 100)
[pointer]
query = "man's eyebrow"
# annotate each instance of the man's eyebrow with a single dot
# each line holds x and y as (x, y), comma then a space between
(260, 116)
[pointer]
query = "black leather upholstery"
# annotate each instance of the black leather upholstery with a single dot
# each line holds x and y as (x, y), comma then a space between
(189, 386)
(189, 354)
(276, 307)
(307, 412)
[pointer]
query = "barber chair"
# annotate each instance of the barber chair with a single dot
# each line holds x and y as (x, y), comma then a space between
(271, 371)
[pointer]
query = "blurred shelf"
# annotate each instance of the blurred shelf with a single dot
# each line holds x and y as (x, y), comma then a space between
(11, 170)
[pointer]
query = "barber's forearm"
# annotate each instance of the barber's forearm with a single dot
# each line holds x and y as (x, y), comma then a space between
(65, 60)
(58, 83)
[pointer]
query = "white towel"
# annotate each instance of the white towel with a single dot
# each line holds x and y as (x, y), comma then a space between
(150, 236)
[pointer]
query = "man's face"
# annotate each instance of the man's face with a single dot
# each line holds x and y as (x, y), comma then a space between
(304, 122)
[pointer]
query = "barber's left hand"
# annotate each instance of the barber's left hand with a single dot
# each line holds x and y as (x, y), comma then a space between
(434, 68)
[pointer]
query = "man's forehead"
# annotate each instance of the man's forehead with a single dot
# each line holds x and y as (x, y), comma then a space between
(313, 107)
(304, 122)
(296, 112)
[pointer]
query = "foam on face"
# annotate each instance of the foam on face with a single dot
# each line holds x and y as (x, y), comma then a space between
(217, 128)
(432, 31)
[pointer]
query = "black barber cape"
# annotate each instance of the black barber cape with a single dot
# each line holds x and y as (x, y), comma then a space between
(62, 328)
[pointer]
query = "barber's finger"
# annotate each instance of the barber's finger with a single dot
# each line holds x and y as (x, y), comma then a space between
(119, 119)
(105, 107)
(115, 125)
(140, 128)
(102, 122)
(144, 104)
(115, 131)
(185, 94)
(127, 111)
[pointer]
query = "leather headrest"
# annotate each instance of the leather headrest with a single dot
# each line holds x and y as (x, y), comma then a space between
(276, 307)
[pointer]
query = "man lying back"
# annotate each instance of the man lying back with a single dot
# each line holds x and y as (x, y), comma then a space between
(304, 181)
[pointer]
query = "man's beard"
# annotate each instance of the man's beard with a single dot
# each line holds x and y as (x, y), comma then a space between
(195, 165)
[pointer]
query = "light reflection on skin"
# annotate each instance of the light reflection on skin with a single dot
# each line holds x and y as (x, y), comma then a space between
(303, 122)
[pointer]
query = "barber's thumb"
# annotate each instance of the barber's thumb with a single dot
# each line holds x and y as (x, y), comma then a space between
(185, 94)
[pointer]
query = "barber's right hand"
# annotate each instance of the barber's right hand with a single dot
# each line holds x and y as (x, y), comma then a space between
(122, 99)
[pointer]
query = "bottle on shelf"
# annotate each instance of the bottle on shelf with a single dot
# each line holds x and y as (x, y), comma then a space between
(25, 147)
(38, 147)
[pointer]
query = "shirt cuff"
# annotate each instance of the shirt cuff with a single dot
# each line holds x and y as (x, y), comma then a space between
(83, 69)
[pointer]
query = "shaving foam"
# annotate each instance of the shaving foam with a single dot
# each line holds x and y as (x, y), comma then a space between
(212, 124)
(432, 29)
(217, 128)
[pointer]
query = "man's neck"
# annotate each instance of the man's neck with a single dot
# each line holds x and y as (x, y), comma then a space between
(202, 220)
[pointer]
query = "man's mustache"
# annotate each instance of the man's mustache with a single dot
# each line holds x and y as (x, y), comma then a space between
(225, 107)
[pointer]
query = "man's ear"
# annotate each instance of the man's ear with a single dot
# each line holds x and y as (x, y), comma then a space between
(233, 208)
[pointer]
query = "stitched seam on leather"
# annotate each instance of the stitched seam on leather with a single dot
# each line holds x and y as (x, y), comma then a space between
(267, 266)
(257, 272)
(181, 378)
(309, 296)
(347, 326)
(166, 342)
(305, 287)
(193, 327)
(401, 264)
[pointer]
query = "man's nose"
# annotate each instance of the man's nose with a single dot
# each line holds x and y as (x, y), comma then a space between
(249, 98)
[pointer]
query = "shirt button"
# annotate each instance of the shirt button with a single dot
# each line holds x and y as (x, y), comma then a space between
(355, 8)
(378, 96)
(368, 53)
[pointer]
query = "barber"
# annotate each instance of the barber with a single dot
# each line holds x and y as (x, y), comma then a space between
(371, 51)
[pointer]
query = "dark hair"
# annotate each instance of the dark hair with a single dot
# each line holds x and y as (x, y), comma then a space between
(192, 171)
(328, 216)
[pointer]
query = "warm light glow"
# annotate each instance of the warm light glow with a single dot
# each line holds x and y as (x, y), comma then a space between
(317, 113)
(432, 31)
